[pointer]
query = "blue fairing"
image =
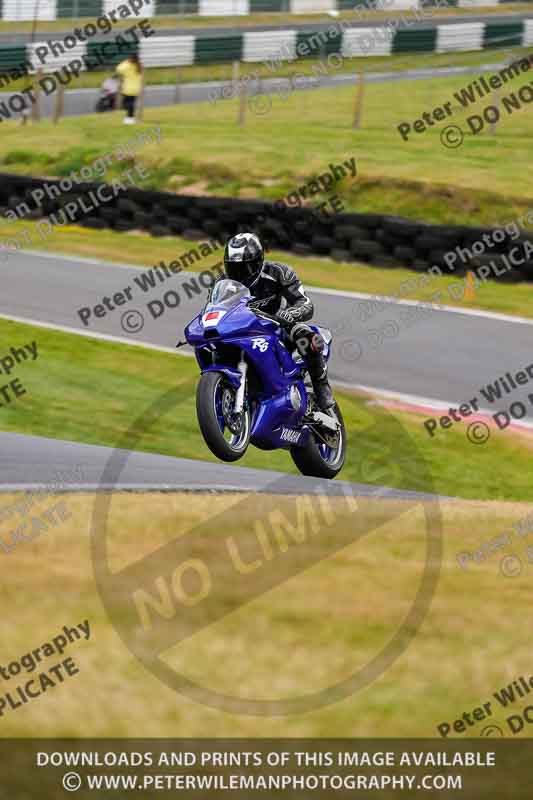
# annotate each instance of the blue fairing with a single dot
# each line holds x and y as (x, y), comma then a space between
(276, 394)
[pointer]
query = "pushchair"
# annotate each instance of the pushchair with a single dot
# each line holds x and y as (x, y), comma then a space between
(108, 95)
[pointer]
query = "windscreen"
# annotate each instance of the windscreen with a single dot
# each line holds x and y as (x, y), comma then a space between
(227, 293)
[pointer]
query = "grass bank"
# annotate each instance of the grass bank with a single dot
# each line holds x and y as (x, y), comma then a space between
(300, 137)
(309, 632)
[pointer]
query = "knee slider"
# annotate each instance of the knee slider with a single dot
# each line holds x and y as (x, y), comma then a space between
(317, 343)
(300, 331)
(301, 336)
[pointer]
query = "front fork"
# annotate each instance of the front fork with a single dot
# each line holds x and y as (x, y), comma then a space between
(239, 395)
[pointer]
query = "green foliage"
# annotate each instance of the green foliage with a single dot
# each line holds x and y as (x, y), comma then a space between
(27, 157)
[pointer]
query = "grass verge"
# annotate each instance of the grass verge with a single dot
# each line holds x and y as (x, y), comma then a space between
(95, 392)
(279, 645)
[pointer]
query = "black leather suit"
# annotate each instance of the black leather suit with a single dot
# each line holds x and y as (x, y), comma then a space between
(279, 291)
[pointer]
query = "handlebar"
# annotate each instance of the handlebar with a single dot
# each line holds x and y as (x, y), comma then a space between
(265, 315)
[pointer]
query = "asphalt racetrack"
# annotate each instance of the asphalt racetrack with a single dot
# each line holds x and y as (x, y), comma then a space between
(440, 361)
(444, 357)
(31, 462)
(78, 102)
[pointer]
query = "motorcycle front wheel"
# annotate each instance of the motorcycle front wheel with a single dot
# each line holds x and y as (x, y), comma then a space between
(225, 433)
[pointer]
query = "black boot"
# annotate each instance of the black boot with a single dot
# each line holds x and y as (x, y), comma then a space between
(318, 372)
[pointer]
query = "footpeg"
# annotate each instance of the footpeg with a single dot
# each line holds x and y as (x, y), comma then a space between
(326, 420)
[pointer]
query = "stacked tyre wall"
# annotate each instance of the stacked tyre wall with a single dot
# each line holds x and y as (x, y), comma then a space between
(376, 239)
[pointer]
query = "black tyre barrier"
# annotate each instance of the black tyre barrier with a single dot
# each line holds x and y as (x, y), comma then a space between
(366, 249)
(341, 255)
(160, 230)
(303, 249)
(405, 255)
(95, 222)
(179, 224)
(427, 242)
(401, 228)
(321, 244)
(527, 270)
(504, 274)
(419, 265)
(378, 239)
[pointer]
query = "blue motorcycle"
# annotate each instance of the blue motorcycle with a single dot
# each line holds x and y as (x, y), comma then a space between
(254, 390)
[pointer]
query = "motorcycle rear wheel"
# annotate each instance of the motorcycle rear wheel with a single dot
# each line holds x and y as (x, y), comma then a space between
(319, 460)
(215, 398)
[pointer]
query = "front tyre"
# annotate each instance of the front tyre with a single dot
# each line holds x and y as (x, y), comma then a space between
(226, 434)
(322, 459)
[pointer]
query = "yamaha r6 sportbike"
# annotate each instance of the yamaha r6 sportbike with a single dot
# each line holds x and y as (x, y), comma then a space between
(254, 391)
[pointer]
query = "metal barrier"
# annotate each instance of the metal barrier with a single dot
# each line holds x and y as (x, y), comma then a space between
(277, 47)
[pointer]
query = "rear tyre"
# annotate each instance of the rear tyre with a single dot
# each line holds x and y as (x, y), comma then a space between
(320, 460)
(227, 435)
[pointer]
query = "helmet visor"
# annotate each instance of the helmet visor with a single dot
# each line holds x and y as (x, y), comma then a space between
(246, 272)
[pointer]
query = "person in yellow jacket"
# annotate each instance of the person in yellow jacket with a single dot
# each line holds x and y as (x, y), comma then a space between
(130, 72)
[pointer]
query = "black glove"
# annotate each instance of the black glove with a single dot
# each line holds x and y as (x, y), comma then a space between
(286, 317)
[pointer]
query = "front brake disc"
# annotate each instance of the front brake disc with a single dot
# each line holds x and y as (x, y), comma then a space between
(232, 420)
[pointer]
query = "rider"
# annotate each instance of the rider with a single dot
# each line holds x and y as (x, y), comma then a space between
(271, 283)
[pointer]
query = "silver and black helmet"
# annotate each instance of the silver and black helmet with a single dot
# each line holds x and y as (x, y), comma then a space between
(243, 258)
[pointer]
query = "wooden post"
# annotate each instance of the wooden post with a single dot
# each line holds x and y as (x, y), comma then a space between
(36, 106)
(243, 96)
(235, 78)
(358, 110)
(58, 110)
(496, 102)
(177, 89)
(140, 107)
